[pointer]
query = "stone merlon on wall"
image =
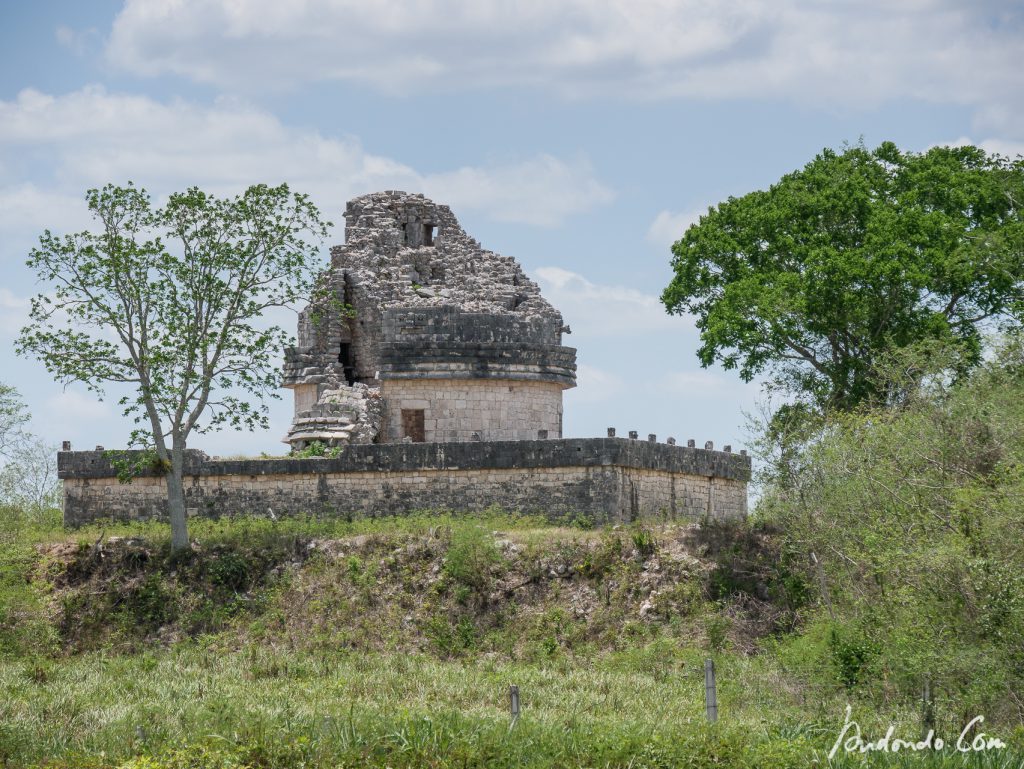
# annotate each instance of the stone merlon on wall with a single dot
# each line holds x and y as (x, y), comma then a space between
(410, 457)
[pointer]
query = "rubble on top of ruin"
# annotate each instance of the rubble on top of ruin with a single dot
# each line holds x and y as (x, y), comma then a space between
(341, 416)
(405, 250)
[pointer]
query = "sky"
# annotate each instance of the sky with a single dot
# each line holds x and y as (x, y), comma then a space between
(580, 136)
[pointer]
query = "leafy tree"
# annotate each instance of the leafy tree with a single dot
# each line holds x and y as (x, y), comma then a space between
(859, 254)
(13, 418)
(169, 302)
(28, 481)
(28, 473)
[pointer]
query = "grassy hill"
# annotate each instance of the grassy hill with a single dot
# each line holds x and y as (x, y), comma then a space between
(392, 642)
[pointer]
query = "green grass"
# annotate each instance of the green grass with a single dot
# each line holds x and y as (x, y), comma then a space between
(284, 707)
(255, 530)
(397, 647)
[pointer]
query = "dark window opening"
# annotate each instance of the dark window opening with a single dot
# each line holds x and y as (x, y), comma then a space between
(412, 425)
(347, 363)
(417, 234)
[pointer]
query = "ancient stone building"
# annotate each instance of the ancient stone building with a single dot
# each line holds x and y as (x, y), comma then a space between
(422, 335)
(437, 369)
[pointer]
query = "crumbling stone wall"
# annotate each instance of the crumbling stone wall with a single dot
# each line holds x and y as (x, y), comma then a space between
(447, 343)
(429, 303)
(605, 479)
(387, 263)
(338, 417)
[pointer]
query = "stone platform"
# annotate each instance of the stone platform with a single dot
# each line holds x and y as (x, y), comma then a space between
(603, 479)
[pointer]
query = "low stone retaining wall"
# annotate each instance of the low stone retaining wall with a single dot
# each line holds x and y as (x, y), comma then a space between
(605, 479)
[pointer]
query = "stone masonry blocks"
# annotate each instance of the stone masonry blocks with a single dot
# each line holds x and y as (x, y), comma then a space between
(604, 479)
(492, 409)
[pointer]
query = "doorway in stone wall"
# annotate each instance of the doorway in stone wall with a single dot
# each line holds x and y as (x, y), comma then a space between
(413, 425)
(347, 363)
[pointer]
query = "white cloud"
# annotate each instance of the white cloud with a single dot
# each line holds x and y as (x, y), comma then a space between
(29, 209)
(78, 41)
(1003, 147)
(838, 53)
(91, 136)
(74, 406)
(594, 385)
(542, 191)
(694, 383)
(598, 311)
(668, 227)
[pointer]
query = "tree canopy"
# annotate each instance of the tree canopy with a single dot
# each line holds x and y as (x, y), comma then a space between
(170, 303)
(860, 253)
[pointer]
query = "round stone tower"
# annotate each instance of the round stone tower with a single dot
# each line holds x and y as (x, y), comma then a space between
(444, 340)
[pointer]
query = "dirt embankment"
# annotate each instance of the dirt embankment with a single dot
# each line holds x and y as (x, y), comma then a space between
(448, 590)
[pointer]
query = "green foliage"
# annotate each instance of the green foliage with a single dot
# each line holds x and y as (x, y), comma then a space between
(130, 464)
(148, 604)
(326, 302)
(230, 570)
(451, 639)
(317, 449)
(25, 630)
(322, 643)
(644, 541)
(851, 654)
(13, 418)
(28, 479)
(184, 315)
(29, 489)
(914, 516)
(169, 303)
(201, 707)
(472, 557)
(859, 254)
(605, 558)
(716, 628)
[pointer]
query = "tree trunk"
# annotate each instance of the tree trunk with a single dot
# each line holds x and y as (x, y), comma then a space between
(176, 500)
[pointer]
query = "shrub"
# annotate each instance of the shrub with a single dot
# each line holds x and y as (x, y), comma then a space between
(472, 556)
(644, 541)
(230, 571)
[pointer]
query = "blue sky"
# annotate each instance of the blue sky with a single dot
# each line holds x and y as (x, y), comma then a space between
(581, 137)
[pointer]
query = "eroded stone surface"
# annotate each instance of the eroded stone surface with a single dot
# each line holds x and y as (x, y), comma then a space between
(605, 480)
(340, 417)
(385, 255)
(427, 302)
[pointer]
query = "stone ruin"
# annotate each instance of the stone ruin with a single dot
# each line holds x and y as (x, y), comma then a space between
(349, 414)
(418, 334)
(440, 369)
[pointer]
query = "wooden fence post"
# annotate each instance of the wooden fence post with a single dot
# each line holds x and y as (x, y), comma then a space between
(513, 704)
(710, 693)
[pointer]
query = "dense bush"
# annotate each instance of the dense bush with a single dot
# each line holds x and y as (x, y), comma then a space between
(906, 523)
